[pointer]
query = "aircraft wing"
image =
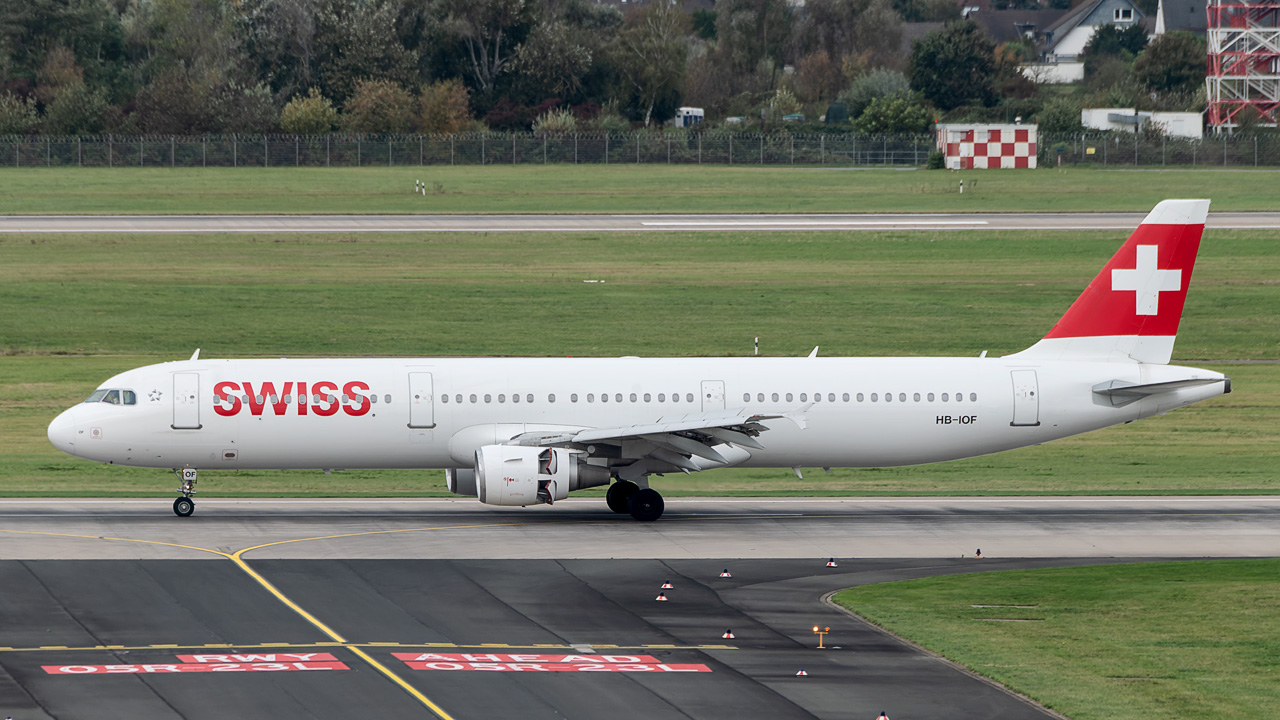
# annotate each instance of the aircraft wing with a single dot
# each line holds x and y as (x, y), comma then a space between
(671, 441)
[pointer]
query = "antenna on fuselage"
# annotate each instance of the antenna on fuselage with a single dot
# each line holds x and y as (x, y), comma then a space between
(196, 355)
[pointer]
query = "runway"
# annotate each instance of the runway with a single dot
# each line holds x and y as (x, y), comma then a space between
(429, 608)
(597, 223)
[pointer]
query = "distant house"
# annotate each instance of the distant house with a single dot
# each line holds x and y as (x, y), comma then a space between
(1066, 39)
(1189, 15)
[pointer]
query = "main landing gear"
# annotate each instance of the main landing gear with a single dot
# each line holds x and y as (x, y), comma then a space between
(184, 506)
(644, 505)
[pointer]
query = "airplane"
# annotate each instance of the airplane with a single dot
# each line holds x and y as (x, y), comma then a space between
(528, 431)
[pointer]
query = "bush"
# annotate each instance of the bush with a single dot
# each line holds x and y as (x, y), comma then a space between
(76, 110)
(444, 107)
(309, 115)
(239, 109)
(875, 84)
(903, 113)
(936, 161)
(1061, 114)
(378, 106)
(557, 121)
(18, 116)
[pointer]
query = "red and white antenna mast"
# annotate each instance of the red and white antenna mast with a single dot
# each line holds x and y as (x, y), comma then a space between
(1243, 80)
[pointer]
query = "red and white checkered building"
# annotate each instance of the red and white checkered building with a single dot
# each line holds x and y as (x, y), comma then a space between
(988, 146)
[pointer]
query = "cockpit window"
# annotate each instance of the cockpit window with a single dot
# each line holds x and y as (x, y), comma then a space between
(113, 397)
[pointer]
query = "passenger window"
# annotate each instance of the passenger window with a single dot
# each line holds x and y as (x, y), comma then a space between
(930, 397)
(456, 398)
(945, 397)
(386, 399)
(846, 397)
(902, 397)
(662, 397)
(648, 397)
(551, 397)
(573, 397)
(916, 397)
(345, 399)
(831, 397)
(488, 398)
(604, 397)
(529, 397)
(746, 397)
(444, 398)
(775, 397)
(875, 397)
(973, 397)
(515, 397)
(473, 398)
(129, 397)
(633, 397)
(789, 397)
(804, 397)
(591, 397)
(759, 397)
(688, 397)
(618, 398)
(888, 397)
(675, 397)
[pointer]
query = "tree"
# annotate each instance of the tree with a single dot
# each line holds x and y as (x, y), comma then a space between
(1112, 40)
(311, 114)
(899, 113)
(1060, 115)
(444, 107)
(749, 31)
(1174, 62)
(490, 31)
(236, 108)
(818, 77)
(652, 52)
(358, 41)
(553, 60)
(954, 66)
(378, 106)
(871, 28)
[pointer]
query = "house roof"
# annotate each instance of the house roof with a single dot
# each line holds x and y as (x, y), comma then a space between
(1004, 26)
(1186, 15)
(1077, 16)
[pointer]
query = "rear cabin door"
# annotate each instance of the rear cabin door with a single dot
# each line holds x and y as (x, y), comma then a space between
(422, 412)
(712, 395)
(186, 401)
(1026, 398)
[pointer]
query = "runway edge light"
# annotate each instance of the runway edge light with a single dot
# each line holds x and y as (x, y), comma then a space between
(667, 585)
(725, 573)
(831, 563)
(728, 635)
(662, 597)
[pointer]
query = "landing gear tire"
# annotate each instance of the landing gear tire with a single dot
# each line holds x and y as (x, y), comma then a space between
(646, 505)
(619, 496)
(184, 506)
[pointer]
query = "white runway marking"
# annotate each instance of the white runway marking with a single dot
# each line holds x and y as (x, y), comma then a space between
(791, 223)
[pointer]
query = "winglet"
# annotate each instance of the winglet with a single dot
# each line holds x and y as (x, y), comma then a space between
(196, 355)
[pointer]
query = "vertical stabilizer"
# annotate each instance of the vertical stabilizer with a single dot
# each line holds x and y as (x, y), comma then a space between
(1132, 308)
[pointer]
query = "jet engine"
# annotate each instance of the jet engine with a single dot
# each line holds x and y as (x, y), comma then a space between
(516, 475)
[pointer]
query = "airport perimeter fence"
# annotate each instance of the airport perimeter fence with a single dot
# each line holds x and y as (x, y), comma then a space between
(465, 149)
(683, 148)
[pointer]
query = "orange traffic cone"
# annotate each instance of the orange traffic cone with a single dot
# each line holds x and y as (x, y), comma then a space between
(726, 574)
(728, 635)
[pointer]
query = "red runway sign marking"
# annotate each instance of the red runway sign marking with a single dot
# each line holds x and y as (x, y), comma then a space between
(268, 662)
(499, 662)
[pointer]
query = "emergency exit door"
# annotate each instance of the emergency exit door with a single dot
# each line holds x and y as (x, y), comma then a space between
(422, 413)
(1026, 398)
(186, 401)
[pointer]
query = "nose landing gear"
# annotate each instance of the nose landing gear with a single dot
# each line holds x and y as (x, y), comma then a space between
(184, 506)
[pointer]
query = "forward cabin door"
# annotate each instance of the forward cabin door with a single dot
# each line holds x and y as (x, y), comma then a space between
(1026, 398)
(186, 401)
(422, 413)
(712, 395)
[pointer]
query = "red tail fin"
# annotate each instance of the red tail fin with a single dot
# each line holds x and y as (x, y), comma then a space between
(1132, 308)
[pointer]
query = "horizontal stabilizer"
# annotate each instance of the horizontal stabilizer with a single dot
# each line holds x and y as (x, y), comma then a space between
(1123, 392)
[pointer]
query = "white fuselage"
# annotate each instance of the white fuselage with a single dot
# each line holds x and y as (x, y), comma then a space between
(436, 412)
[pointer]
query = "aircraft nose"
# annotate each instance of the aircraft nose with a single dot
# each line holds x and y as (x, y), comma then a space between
(62, 432)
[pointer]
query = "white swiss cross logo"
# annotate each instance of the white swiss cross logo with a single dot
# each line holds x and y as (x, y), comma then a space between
(1146, 281)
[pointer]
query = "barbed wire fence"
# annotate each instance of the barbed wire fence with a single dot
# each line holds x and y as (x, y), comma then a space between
(652, 148)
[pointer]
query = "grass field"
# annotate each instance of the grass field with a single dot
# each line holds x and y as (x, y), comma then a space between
(618, 189)
(1175, 641)
(79, 308)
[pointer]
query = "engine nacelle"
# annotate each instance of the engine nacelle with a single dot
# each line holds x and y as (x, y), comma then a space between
(517, 475)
